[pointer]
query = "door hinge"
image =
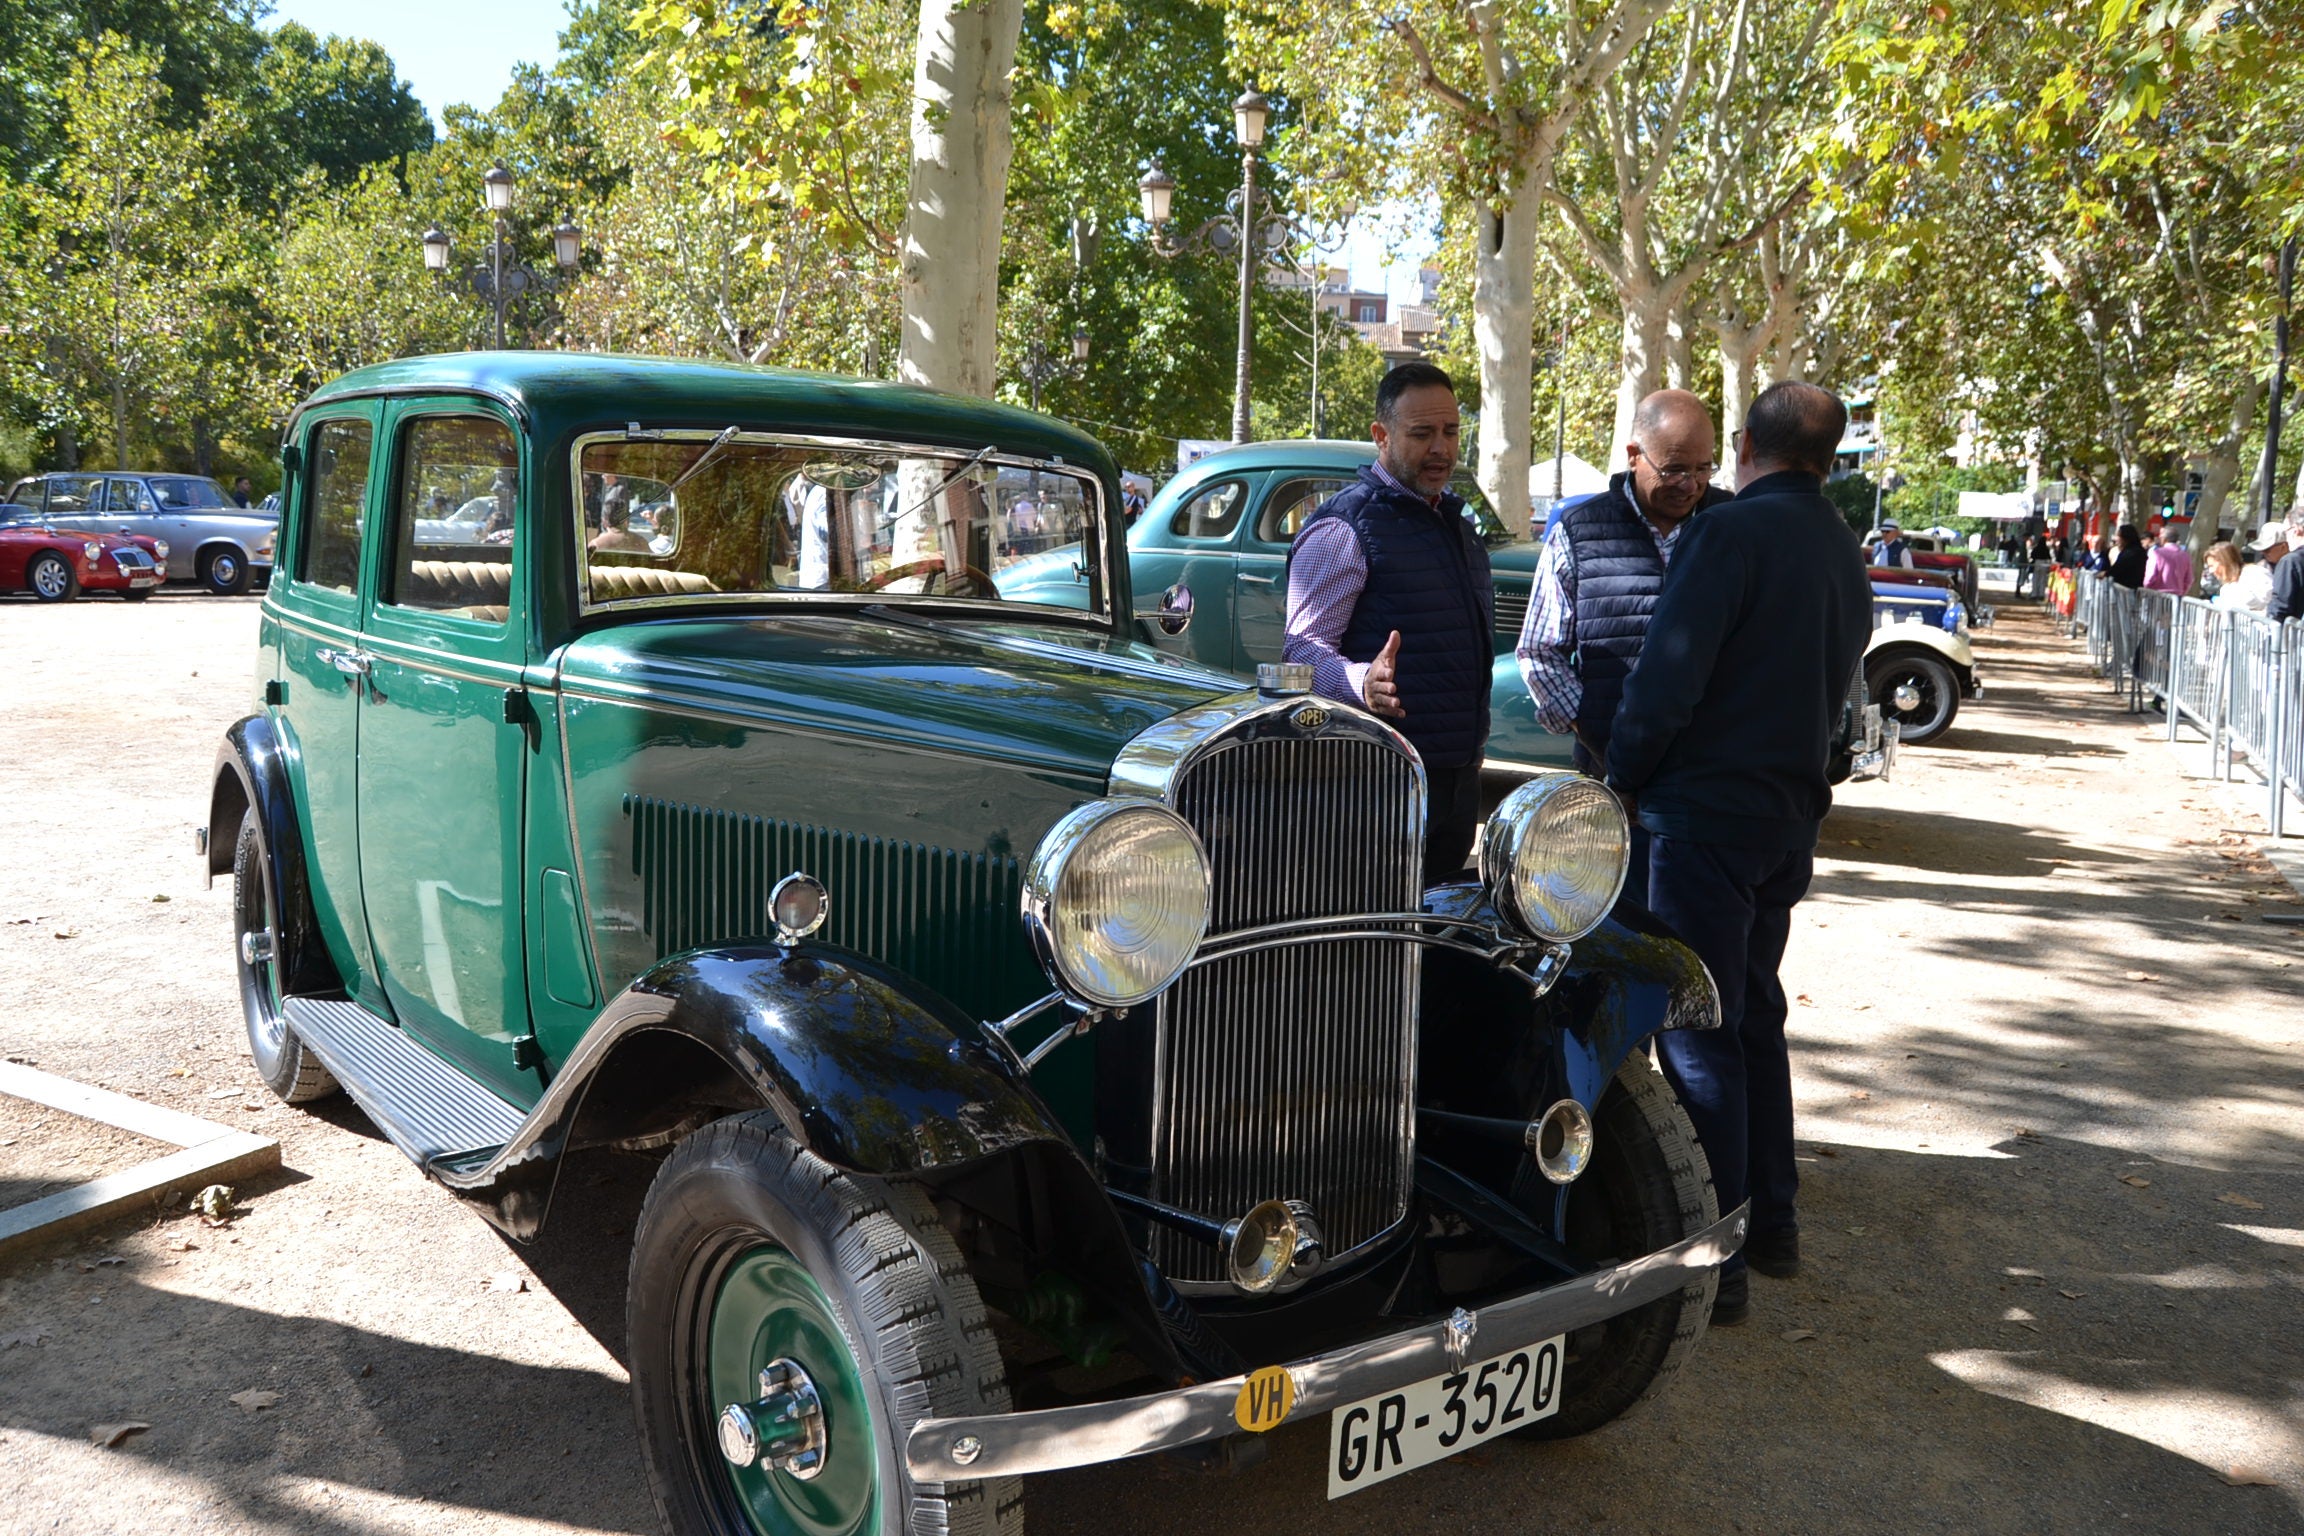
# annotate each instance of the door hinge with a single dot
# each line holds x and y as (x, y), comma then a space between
(517, 709)
(527, 1055)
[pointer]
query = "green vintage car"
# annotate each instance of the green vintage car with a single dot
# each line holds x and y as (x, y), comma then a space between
(1051, 1054)
(1215, 540)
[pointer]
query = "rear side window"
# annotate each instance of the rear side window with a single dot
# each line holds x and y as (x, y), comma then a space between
(335, 503)
(75, 493)
(1212, 513)
(1291, 505)
(457, 513)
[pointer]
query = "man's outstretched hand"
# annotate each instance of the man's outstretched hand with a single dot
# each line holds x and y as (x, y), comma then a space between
(1380, 688)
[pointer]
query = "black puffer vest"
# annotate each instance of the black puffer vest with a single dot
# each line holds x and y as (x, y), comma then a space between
(1428, 579)
(1618, 575)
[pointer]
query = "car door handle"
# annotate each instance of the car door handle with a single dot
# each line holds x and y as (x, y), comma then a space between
(1257, 581)
(350, 663)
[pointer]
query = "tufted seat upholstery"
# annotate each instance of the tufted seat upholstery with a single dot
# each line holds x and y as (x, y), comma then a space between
(475, 589)
(615, 583)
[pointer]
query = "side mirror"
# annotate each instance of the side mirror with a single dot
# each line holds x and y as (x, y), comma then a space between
(1175, 610)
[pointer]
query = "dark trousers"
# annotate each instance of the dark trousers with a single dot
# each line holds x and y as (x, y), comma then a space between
(1733, 906)
(1451, 812)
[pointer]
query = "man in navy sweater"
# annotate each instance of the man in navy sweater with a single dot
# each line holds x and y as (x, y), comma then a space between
(1720, 746)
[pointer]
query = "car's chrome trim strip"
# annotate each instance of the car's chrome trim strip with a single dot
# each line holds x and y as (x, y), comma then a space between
(1050, 1439)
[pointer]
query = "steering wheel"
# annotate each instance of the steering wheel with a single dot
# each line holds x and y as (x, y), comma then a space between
(934, 565)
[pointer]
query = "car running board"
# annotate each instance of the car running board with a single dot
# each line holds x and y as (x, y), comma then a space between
(430, 1110)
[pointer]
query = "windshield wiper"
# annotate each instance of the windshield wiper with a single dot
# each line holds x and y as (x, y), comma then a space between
(945, 484)
(711, 450)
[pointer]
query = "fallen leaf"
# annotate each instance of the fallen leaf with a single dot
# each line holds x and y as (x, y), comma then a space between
(1796, 1335)
(2071, 1295)
(2249, 1477)
(1827, 1151)
(28, 1338)
(2241, 1201)
(1856, 1231)
(214, 1204)
(2133, 1181)
(223, 1093)
(185, 1245)
(1805, 1001)
(110, 1435)
(159, 898)
(108, 1259)
(254, 1400)
(70, 933)
(507, 1281)
(1861, 1093)
(2138, 976)
(1860, 1007)
(179, 1071)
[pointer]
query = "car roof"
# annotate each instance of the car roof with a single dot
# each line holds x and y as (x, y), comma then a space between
(558, 392)
(1286, 453)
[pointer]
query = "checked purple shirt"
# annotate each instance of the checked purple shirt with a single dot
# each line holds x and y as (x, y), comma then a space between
(1547, 648)
(1327, 571)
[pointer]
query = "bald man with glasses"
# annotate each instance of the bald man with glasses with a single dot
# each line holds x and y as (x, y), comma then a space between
(1603, 565)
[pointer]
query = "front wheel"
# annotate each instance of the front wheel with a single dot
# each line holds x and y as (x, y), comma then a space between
(789, 1325)
(1916, 690)
(224, 572)
(1648, 1186)
(50, 578)
(288, 1069)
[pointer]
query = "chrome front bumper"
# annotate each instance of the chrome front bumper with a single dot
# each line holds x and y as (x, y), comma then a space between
(1049, 1439)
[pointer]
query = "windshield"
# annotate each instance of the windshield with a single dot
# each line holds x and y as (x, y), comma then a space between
(709, 516)
(187, 493)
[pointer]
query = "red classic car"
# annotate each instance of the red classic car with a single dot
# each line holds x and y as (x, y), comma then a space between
(56, 565)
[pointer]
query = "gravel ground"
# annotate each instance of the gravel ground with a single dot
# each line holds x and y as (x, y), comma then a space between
(2050, 1065)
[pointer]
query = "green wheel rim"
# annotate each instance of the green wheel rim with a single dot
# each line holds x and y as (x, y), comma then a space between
(768, 1307)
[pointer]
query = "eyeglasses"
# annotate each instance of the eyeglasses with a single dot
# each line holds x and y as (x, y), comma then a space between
(1685, 472)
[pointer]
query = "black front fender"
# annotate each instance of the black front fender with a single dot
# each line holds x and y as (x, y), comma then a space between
(252, 773)
(1489, 1047)
(864, 1069)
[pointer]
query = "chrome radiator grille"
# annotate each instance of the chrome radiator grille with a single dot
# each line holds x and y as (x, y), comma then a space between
(1289, 1073)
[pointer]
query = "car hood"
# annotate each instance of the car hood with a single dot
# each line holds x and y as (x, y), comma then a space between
(1517, 558)
(1038, 696)
(65, 531)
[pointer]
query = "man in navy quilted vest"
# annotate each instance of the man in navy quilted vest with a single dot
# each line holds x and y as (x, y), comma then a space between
(1720, 746)
(1389, 601)
(1596, 582)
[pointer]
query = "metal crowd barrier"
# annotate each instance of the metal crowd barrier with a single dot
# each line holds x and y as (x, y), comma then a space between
(2237, 677)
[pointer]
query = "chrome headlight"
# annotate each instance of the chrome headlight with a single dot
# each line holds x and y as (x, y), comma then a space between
(1116, 900)
(1554, 856)
(159, 549)
(91, 551)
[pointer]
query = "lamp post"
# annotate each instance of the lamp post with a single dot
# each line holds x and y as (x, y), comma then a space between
(498, 276)
(1039, 368)
(1256, 233)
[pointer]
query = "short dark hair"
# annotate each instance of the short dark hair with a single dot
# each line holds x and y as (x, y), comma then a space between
(1796, 425)
(1404, 378)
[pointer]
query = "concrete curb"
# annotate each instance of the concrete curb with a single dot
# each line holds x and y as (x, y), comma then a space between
(211, 1154)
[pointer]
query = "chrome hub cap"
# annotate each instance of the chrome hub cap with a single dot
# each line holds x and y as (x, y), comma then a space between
(1907, 697)
(782, 1429)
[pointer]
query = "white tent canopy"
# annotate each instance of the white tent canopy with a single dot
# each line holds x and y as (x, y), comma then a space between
(1999, 506)
(1577, 478)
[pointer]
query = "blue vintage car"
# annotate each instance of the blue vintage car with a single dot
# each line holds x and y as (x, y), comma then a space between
(1220, 532)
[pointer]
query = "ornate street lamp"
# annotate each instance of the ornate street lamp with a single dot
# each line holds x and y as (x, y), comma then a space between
(1248, 223)
(499, 277)
(1039, 368)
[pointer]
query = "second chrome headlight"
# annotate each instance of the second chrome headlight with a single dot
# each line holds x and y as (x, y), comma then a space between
(1116, 900)
(1554, 855)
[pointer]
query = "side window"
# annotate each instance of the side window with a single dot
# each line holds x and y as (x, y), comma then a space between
(127, 497)
(1212, 514)
(1290, 504)
(456, 512)
(75, 493)
(335, 502)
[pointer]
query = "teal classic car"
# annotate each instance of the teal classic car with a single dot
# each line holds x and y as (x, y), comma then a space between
(1215, 541)
(1050, 1050)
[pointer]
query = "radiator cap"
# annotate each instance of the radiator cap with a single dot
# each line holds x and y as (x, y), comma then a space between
(1283, 679)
